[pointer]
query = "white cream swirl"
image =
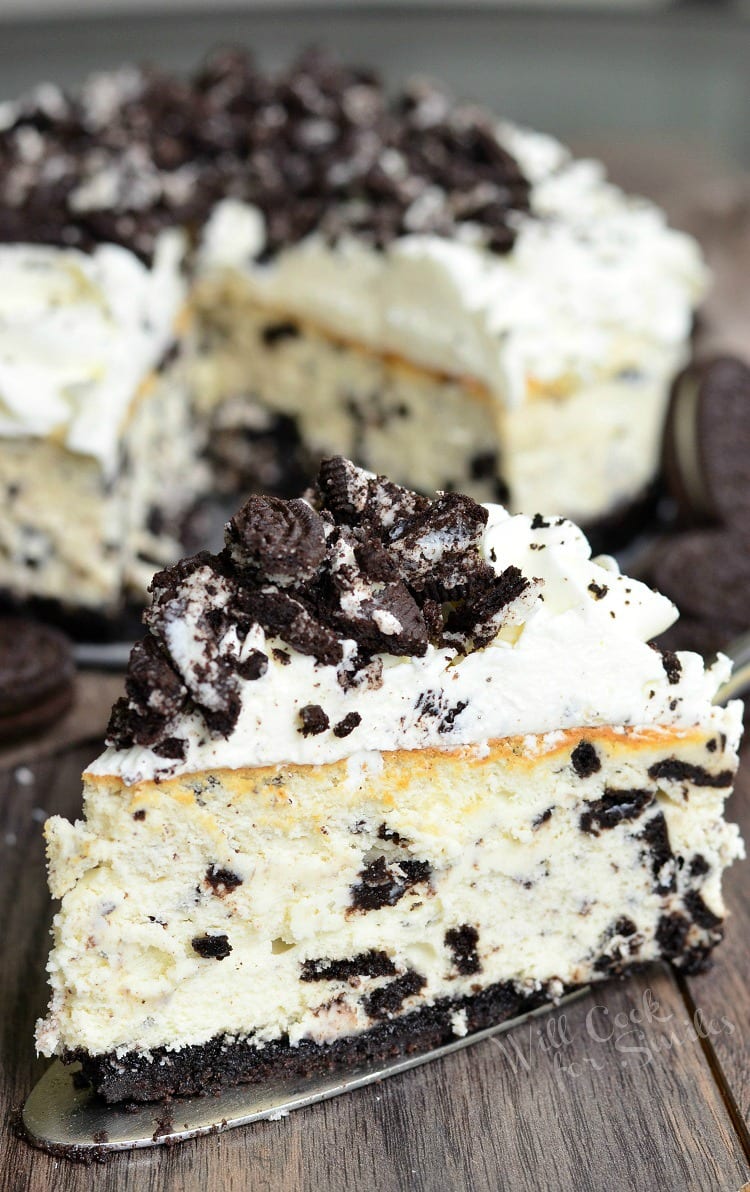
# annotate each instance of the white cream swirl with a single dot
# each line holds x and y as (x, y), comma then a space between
(572, 653)
(79, 333)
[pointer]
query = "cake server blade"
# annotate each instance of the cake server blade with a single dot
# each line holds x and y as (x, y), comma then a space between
(70, 1121)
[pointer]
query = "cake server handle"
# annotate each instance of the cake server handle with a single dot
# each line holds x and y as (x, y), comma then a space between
(738, 683)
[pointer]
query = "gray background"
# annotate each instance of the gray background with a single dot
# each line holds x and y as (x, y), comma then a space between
(672, 81)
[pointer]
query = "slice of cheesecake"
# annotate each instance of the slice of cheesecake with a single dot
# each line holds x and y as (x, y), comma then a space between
(388, 770)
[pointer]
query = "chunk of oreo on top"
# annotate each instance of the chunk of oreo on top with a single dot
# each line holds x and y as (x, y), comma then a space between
(282, 541)
(312, 148)
(438, 547)
(155, 697)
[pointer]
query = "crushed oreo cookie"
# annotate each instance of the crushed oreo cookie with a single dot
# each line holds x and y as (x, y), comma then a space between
(384, 884)
(346, 726)
(672, 666)
(388, 1000)
(281, 541)
(585, 759)
(313, 720)
(656, 835)
(212, 947)
(363, 561)
(368, 964)
(462, 943)
(672, 769)
(319, 147)
(222, 881)
(613, 808)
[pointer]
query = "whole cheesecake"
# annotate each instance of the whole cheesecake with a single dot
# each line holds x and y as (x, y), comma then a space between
(388, 769)
(260, 271)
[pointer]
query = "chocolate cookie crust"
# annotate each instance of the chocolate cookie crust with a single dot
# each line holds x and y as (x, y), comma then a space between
(209, 1066)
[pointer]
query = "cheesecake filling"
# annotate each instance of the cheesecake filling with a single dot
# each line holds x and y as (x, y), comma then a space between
(311, 903)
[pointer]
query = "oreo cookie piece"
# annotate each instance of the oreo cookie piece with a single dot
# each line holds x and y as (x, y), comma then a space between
(706, 454)
(707, 574)
(36, 677)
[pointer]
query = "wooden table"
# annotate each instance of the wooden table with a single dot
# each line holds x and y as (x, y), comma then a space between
(619, 1091)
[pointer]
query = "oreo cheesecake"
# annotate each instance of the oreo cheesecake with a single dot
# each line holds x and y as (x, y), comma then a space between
(264, 270)
(388, 769)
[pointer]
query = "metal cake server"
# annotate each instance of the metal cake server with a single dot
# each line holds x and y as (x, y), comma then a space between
(738, 683)
(70, 1121)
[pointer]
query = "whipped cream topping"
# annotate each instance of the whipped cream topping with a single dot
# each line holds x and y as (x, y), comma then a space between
(594, 284)
(569, 650)
(79, 332)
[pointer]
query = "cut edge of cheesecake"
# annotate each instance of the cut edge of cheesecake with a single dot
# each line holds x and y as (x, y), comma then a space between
(409, 957)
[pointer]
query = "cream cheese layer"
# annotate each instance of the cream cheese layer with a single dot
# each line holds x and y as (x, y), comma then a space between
(596, 282)
(572, 650)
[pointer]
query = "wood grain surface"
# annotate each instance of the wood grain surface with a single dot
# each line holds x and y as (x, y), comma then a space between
(616, 1092)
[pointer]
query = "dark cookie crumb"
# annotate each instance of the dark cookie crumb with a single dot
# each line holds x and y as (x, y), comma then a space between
(277, 539)
(656, 835)
(462, 943)
(624, 926)
(699, 912)
(672, 666)
(614, 807)
(698, 866)
(222, 881)
(386, 833)
(616, 961)
(671, 934)
(598, 591)
(382, 884)
(273, 333)
(314, 720)
(585, 759)
(212, 947)
(140, 814)
(674, 770)
(174, 748)
(367, 964)
(346, 726)
(385, 1002)
(253, 667)
(542, 818)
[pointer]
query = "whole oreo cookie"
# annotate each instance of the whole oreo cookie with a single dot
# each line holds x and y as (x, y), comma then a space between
(707, 441)
(36, 677)
(705, 568)
(707, 574)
